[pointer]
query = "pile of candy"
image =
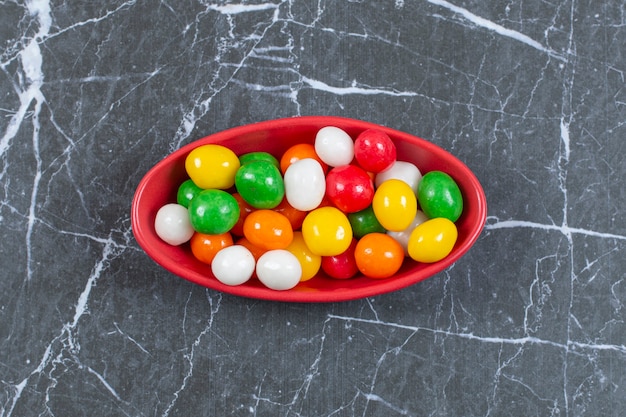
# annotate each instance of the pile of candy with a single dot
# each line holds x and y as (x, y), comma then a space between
(340, 205)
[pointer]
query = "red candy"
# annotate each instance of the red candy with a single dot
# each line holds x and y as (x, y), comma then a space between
(374, 150)
(342, 266)
(349, 188)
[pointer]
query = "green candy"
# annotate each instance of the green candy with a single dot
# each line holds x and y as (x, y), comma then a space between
(260, 184)
(364, 222)
(186, 192)
(439, 196)
(213, 212)
(258, 156)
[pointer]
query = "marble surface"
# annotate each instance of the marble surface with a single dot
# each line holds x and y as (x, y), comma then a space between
(530, 94)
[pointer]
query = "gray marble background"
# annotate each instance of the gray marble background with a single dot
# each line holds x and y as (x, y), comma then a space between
(530, 94)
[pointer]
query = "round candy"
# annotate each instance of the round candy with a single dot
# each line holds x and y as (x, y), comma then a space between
(268, 229)
(279, 269)
(204, 247)
(374, 150)
(305, 184)
(309, 261)
(440, 196)
(334, 146)
(299, 152)
(327, 231)
(213, 212)
(186, 192)
(260, 184)
(172, 224)
(212, 166)
(349, 188)
(401, 170)
(233, 265)
(402, 237)
(395, 205)
(342, 266)
(432, 240)
(364, 222)
(378, 255)
(259, 156)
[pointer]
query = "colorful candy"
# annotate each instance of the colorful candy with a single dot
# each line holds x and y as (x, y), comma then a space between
(378, 255)
(186, 192)
(364, 222)
(292, 218)
(268, 229)
(440, 196)
(395, 205)
(212, 166)
(260, 184)
(259, 156)
(213, 212)
(349, 188)
(432, 240)
(327, 231)
(342, 266)
(374, 150)
(204, 247)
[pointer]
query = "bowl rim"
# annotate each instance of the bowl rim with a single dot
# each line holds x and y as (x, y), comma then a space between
(145, 236)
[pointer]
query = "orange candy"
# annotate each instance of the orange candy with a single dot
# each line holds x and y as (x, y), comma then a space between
(244, 210)
(378, 255)
(268, 229)
(298, 152)
(295, 216)
(204, 247)
(255, 250)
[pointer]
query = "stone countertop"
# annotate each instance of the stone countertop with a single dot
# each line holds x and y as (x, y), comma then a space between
(530, 95)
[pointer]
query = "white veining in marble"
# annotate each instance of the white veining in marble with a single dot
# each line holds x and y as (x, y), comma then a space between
(530, 95)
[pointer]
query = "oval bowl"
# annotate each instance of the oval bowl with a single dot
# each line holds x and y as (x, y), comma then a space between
(159, 186)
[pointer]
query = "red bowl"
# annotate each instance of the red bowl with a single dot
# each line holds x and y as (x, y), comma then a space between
(160, 185)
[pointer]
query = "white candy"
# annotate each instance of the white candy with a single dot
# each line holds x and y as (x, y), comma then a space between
(334, 146)
(172, 224)
(305, 184)
(233, 265)
(403, 236)
(279, 269)
(401, 170)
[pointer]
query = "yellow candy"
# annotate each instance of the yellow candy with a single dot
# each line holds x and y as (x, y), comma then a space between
(432, 240)
(327, 231)
(212, 166)
(395, 205)
(309, 261)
